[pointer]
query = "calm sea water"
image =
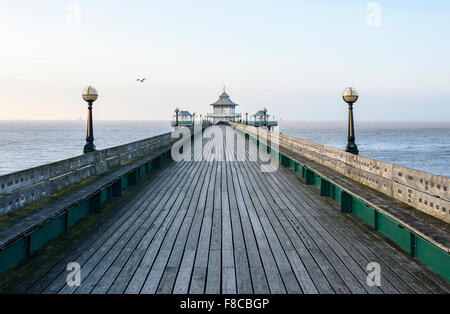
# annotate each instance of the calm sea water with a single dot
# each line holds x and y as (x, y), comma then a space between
(26, 144)
(422, 146)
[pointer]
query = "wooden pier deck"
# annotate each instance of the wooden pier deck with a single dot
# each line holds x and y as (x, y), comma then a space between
(222, 227)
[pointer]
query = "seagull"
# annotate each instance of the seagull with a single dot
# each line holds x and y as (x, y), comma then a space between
(138, 80)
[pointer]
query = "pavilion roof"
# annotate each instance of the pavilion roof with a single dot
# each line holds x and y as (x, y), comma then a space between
(260, 114)
(184, 113)
(224, 100)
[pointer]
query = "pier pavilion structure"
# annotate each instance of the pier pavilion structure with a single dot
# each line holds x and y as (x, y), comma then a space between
(224, 110)
(185, 118)
(258, 120)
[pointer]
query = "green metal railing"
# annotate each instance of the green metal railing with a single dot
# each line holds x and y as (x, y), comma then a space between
(28, 244)
(418, 247)
(261, 123)
(181, 123)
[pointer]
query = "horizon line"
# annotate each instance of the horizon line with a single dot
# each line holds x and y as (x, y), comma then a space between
(161, 120)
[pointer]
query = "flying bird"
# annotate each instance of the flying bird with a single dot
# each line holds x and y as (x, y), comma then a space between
(139, 80)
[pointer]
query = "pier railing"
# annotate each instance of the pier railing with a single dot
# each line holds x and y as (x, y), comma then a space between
(261, 123)
(43, 202)
(407, 206)
(426, 192)
(343, 177)
(23, 188)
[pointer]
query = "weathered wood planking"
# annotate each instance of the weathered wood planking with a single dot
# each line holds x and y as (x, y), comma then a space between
(23, 188)
(226, 227)
(426, 192)
(56, 265)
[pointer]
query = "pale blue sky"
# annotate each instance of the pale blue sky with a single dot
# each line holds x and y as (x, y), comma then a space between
(294, 57)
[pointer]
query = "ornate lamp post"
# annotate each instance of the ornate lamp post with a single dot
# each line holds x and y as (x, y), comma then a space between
(350, 96)
(89, 95)
(176, 116)
(265, 111)
(246, 118)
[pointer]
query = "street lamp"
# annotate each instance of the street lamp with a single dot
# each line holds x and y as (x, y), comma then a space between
(350, 96)
(176, 115)
(246, 118)
(264, 111)
(89, 95)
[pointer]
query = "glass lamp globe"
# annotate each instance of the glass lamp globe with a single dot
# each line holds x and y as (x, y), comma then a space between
(90, 94)
(350, 95)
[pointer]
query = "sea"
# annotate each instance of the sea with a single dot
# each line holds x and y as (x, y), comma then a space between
(423, 146)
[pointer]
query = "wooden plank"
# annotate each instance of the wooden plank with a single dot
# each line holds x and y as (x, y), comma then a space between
(58, 272)
(186, 267)
(226, 227)
(213, 278)
(242, 270)
(375, 242)
(139, 278)
(52, 207)
(169, 276)
(286, 263)
(430, 228)
(336, 227)
(315, 244)
(308, 273)
(198, 280)
(44, 270)
(115, 269)
(309, 258)
(338, 160)
(273, 273)
(303, 217)
(242, 278)
(127, 271)
(94, 267)
(390, 277)
(228, 267)
(384, 252)
(260, 281)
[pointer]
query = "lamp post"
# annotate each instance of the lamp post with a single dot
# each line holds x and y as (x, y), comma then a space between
(193, 118)
(265, 111)
(246, 118)
(176, 116)
(350, 96)
(89, 95)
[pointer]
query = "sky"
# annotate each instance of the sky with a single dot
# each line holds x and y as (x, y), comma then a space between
(293, 57)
